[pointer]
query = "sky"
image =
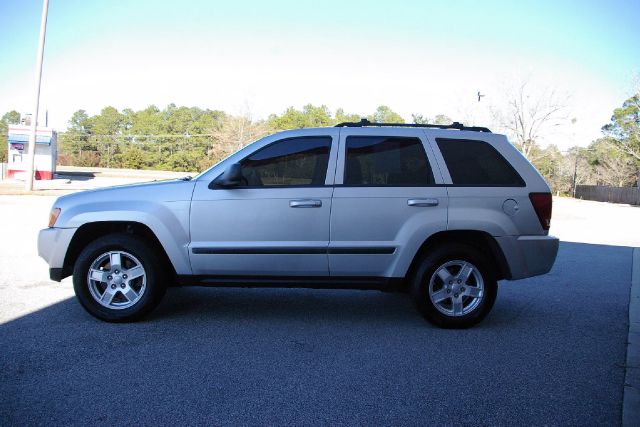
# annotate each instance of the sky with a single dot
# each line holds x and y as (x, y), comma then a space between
(256, 57)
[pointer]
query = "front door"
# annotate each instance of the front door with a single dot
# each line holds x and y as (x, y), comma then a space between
(277, 222)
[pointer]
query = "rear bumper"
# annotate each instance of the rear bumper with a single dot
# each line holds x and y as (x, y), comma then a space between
(52, 247)
(529, 256)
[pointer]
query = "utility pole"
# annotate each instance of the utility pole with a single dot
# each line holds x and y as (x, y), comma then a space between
(575, 166)
(575, 175)
(34, 119)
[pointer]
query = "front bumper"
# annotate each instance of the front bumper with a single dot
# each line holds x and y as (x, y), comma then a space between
(52, 247)
(56, 274)
(529, 256)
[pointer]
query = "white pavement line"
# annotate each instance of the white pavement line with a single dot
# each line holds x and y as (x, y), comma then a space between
(631, 399)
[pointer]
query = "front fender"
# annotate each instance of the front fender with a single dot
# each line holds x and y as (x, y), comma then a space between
(169, 221)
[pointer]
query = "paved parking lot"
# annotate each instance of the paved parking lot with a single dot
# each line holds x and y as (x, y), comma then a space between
(552, 351)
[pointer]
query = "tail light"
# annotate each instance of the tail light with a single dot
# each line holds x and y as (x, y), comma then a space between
(542, 204)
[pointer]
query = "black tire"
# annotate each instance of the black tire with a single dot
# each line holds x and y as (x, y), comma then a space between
(477, 308)
(132, 251)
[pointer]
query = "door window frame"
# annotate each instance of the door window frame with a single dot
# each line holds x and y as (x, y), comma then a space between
(331, 164)
(391, 133)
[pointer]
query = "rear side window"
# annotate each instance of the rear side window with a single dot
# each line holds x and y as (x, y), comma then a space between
(294, 161)
(477, 163)
(390, 161)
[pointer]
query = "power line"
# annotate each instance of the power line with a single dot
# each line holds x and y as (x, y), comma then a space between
(141, 136)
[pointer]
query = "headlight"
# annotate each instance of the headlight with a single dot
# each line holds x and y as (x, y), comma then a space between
(53, 216)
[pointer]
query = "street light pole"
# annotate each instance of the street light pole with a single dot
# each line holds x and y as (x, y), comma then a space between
(34, 119)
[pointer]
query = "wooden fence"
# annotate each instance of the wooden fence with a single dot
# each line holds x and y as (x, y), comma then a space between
(600, 193)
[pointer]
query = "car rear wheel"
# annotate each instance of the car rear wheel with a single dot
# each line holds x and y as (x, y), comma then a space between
(454, 286)
(118, 278)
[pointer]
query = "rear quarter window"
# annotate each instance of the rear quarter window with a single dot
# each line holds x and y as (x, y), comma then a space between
(477, 163)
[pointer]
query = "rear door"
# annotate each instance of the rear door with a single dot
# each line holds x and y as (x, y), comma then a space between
(388, 199)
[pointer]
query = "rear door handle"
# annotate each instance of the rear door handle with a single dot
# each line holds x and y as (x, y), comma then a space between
(305, 203)
(423, 203)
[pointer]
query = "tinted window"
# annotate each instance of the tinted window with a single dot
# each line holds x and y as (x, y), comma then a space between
(477, 163)
(294, 161)
(381, 160)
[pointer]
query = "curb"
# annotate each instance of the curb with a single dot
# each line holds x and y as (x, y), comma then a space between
(631, 393)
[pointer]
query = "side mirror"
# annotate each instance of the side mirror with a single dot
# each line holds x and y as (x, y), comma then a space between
(232, 177)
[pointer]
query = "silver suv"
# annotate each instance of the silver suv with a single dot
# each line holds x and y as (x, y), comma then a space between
(440, 212)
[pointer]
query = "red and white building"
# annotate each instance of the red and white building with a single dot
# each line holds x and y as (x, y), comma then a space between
(18, 152)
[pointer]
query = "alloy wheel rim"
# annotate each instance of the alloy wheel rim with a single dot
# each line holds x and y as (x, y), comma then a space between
(117, 280)
(456, 288)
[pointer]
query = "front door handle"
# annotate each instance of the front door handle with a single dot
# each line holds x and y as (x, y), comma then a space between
(423, 203)
(305, 203)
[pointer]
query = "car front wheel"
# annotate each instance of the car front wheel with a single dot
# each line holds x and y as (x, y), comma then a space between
(117, 278)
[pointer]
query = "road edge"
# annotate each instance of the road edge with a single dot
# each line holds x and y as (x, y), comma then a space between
(631, 393)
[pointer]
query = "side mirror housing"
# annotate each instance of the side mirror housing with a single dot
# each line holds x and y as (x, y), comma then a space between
(232, 177)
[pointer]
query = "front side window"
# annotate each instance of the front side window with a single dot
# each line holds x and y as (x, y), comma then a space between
(299, 161)
(477, 163)
(387, 161)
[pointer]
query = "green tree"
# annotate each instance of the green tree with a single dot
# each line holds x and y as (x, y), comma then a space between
(309, 116)
(108, 122)
(150, 121)
(132, 158)
(440, 119)
(75, 141)
(384, 114)
(3, 141)
(79, 144)
(624, 129)
(106, 129)
(342, 117)
(80, 122)
(9, 118)
(181, 161)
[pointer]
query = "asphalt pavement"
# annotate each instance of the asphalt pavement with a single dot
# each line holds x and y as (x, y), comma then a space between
(551, 352)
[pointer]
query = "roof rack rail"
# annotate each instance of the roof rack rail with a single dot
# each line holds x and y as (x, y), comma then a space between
(454, 125)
